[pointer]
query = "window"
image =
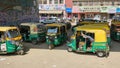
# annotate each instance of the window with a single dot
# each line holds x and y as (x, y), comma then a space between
(44, 1)
(75, 3)
(61, 1)
(50, 1)
(55, 1)
(80, 4)
(40, 1)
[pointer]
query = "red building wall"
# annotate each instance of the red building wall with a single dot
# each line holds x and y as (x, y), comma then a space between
(68, 3)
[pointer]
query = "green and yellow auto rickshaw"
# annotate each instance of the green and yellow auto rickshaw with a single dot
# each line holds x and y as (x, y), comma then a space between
(34, 32)
(56, 34)
(80, 41)
(115, 31)
(10, 40)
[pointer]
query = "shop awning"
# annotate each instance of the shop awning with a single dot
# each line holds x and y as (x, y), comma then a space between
(50, 12)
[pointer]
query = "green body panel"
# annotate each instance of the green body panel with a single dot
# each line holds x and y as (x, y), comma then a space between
(115, 35)
(57, 41)
(72, 44)
(10, 48)
(96, 46)
(109, 41)
(39, 36)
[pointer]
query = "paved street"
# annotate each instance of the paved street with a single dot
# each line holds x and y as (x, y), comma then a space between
(39, 56)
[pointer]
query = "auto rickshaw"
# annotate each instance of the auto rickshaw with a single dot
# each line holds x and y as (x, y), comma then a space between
(79, 43)
(115, 31)
(10, 40)
(56, 34)
(33, 32)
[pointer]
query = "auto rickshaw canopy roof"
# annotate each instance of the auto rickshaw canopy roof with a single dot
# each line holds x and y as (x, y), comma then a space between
(93, 22)
(30, 24)
(100, 34)
(100, 26)
(7, 28)
(56, 24)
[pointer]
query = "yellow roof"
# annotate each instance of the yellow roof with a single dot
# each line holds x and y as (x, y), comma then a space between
(7, 28)
(56, 24)
(100, 26)
(100, 35)
(29, 24)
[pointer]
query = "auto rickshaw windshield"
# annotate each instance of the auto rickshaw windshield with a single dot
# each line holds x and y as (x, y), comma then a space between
(13, 33)
(52, 30)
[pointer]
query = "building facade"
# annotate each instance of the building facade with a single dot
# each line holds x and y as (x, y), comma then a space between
(51, 8)
(94, 8)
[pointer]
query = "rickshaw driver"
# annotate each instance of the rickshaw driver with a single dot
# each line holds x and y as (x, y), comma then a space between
(2, 39)
(89, 39)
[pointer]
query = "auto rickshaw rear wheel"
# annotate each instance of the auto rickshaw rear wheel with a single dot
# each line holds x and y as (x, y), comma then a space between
(69, 49)
(100, 53)
(34, 42)
(20, 52)
(51, 46)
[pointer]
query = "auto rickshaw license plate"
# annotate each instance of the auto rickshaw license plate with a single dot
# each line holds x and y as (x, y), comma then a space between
(3, 47)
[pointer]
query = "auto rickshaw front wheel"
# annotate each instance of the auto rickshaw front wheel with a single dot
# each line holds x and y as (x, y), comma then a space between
(100, 53)
(69, 49)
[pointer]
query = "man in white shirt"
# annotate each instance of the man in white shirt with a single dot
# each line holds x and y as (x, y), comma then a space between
(89, 39)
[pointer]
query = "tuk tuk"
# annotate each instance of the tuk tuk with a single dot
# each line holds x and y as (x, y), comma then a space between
(56, 34)
(115, 31)
(33, 32)
(10, 40)
(81, 41)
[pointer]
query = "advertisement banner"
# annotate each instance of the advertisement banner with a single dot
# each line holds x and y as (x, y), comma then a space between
(69, 10)
(118, 10)
(51, 7)
(104, 9)
(111, 9)
(90, 8)
(75, 9)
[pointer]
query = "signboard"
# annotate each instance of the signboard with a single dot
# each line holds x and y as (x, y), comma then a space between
(91, 8)
(112, 9)
(104, 9)
(69, 10)
(76, 9)
(118, 10)
(51, 7)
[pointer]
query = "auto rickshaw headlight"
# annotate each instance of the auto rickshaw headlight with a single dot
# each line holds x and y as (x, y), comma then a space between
(55, 36)
(118, 33)
(46, 36)
(13, 42)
